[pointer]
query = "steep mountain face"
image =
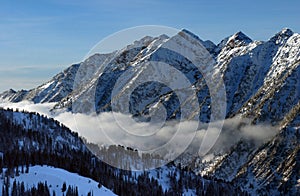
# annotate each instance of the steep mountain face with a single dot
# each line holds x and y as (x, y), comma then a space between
(274, 167)
(271, 168)
(257, 75)
(280, 90)
(257, 67)
(261, 82)
(97, 76)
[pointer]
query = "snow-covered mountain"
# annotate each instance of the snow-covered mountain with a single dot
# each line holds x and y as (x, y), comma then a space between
(261, 81)
(54, 90)
(257, 76)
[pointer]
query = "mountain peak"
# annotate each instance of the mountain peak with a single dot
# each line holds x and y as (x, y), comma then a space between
(11, 91)
(239, 37)
(282, 36)
(236, 40)
(286, 31)
(143, 41)
(209, 45)
(187, 32)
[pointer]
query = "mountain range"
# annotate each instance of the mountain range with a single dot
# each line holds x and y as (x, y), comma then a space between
(261, 80)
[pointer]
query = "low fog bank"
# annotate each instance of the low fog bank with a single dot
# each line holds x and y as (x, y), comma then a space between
(173, 138)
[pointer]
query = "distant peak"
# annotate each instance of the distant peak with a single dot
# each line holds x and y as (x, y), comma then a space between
(240, 36)
(144, 40)
(282, 35)
(286, 31)
(236, 40)
(12, 90)
(187, 32)
(209, 45)
(163, 36)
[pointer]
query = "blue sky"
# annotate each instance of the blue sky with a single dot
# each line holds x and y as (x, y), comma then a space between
(40, 38)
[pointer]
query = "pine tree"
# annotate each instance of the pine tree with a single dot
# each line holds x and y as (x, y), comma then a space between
(17, 171)
(14, 191)
(27, 167)
(64, 187)
(69, 191)
(22, 189)
(7, 184)
(76, 191)
(3, 190)
(1, 163)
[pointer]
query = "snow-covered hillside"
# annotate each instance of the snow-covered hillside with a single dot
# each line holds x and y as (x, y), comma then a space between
(55, 178)
(29, 139)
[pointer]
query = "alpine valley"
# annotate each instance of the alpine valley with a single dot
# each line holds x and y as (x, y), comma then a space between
(262, 113)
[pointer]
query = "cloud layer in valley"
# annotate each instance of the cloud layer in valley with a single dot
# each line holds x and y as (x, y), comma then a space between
(104, 130)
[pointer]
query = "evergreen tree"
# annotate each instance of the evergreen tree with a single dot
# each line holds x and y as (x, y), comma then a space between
(17, 171)
(14, 191)
(22, 189)
(64, 187)
(3, 190)
(27, 168)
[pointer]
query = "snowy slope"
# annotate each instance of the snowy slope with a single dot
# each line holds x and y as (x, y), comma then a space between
(55, 178)
(60, 134)
(31, 139)
(275, 167)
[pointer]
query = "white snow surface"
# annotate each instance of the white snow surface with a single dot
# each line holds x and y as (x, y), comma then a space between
(55, 177)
